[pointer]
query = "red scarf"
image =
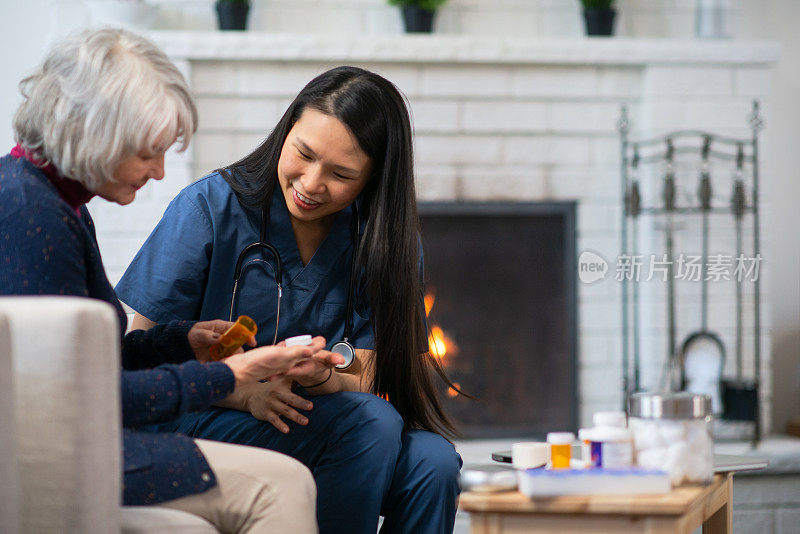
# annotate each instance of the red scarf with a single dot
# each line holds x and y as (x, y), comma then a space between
(71, 191)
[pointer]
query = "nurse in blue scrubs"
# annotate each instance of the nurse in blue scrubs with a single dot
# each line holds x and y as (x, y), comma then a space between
(344, 143)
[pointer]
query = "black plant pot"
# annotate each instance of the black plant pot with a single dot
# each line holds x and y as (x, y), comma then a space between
(232, 15)
(599, 21)
(418, 20)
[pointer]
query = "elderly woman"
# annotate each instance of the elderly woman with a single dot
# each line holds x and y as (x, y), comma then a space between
(96, 119)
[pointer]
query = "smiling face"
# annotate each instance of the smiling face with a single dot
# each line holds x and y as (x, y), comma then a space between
(322, 169)
(132, 173)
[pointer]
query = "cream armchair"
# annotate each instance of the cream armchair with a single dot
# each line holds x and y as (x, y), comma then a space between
(60, 423)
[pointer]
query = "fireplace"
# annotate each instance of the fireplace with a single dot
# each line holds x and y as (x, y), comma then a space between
(502, 313)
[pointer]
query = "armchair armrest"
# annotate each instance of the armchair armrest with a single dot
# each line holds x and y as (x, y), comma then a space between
(66, 354)
(9, 512)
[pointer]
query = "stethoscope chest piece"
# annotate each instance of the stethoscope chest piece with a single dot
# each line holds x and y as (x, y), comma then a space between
(346, 350)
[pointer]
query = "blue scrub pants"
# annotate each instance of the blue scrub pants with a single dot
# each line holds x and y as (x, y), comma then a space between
(363, 462)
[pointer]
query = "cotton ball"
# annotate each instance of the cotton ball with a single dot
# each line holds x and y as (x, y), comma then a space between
(646, 436)
(679, 452)
(676, 475)
(702, 465)
(678, 457)
(699, 468)
(698, 436)
(652, 458)
(672, 431)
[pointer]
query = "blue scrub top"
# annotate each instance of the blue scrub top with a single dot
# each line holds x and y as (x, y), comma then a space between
(185, 269)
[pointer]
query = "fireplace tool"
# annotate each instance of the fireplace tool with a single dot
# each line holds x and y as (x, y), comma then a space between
(634, 201)
(740, 396)
(702, 347)
(702, 354)
(668, 380)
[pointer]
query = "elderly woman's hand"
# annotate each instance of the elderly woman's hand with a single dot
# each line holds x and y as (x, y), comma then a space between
(206, 334)
(276, 360)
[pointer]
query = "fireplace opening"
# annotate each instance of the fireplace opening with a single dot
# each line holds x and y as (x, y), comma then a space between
(500, 283)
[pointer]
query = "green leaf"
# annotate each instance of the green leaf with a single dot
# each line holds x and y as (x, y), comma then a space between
(430, 5)
(597, 4)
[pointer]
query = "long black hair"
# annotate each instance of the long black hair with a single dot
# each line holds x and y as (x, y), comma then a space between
(375, 112)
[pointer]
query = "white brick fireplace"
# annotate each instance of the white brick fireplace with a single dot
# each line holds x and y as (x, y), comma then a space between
(495, 119)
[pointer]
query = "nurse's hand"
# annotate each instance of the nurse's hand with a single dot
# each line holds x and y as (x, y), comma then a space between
(205, 334)
(264, 363)
(316, 370)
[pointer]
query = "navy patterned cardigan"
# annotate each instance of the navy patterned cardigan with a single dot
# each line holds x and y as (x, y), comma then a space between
(47, 248)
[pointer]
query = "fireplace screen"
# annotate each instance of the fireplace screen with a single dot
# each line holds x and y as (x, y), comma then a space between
(501, 305)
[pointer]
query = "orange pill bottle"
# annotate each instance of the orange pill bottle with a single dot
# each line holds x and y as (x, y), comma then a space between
(234, 337)
(560, 449)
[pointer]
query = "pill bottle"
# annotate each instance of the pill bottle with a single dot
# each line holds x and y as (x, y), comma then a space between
(672, 432)
(560, 449)
(607, 447)
(234, 337)
(609, 444)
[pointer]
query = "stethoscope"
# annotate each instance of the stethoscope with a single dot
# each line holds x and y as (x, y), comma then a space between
(343, 347)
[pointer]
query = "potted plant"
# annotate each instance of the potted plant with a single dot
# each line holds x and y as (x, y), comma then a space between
(418, 15)
(599, 16)
(232, 14)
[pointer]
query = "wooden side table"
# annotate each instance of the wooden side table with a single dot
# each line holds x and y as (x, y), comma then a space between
(680, 511)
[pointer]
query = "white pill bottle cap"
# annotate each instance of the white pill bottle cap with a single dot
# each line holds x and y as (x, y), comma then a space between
(612, 419)
(560, 438)
(299, 340)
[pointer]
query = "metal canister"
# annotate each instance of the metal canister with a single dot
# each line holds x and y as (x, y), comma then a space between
(672, 432)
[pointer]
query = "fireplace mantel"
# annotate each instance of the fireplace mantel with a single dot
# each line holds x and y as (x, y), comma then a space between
(199, 46)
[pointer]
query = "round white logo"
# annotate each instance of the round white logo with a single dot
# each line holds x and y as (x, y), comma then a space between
(591, 267)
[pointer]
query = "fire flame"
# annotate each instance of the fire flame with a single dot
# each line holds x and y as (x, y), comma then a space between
(439, 344)
(429, 298)
(436, 343)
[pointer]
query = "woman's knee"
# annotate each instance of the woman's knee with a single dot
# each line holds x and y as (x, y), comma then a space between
(367, 411)
(301, 481)
(268, 468)
(430, 455)
(282, 471)
(285, 498)
(368, 424)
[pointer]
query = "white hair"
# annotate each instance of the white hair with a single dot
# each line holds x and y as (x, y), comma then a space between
(99, 97)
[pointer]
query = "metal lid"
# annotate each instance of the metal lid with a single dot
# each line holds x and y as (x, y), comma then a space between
(681, 405)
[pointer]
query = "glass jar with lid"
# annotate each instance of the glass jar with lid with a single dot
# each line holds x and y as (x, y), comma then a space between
(672, 432)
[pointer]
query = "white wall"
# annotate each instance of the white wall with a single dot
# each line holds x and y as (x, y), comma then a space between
(23, 38)
(26, 29)
(778, 20)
